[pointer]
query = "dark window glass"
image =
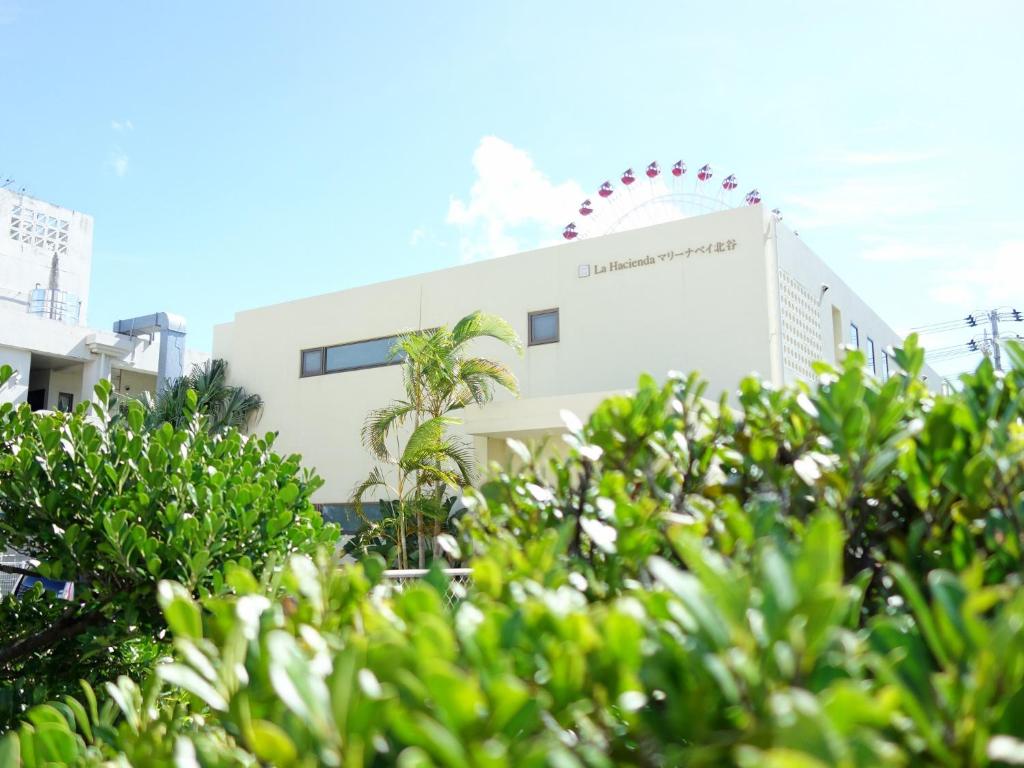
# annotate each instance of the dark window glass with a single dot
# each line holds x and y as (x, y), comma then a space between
(854, 336)
(312, 362)
(345, 515)
(361, 354)
(871, 356)
(544, 327)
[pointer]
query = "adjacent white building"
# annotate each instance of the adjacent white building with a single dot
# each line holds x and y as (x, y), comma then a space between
(45, 266)
(727, 294)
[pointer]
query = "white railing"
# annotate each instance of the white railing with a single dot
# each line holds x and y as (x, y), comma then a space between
(56, 305)
(394, 580)
(458, 580)
(8, 581)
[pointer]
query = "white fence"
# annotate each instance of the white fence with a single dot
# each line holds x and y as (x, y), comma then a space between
(393, 579)
(8, 581)
(458, 580)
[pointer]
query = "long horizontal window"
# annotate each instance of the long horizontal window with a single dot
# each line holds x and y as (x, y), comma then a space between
(354, 356)
(345, 515)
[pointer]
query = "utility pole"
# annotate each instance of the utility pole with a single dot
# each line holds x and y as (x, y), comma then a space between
(993, 316)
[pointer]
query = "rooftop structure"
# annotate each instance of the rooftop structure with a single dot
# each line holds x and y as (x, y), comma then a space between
(45, 269)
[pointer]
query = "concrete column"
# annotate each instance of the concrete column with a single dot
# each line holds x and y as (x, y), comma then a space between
(776, 372)
(93, 371)
(171, 363)
(16, 389)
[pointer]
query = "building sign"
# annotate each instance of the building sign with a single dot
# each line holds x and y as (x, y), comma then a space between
(619, 265)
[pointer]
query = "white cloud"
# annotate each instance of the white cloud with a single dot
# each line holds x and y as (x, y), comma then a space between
(988, 279)
(896, 250)
(511, 205)
(886, 157)
(860, 201)
(122, 126)
(119, 162)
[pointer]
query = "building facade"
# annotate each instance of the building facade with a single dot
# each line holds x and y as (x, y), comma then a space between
(727, 294)
(45, 271)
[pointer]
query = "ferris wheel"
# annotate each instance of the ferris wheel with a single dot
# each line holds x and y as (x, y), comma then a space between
(654, 197)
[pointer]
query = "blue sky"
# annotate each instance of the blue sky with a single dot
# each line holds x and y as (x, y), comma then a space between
(236, 154)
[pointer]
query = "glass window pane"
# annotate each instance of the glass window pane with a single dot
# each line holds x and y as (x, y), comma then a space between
(345, 515)
(854, 336)
(361, 354)
(311, 362)
(871, 355)
(544, 327)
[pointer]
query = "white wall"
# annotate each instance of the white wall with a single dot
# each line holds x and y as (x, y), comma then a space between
(65, 380)
(708, 311)
(89, 353)
(23, 264)
(799, 261)
(134, 383)
(16, 389)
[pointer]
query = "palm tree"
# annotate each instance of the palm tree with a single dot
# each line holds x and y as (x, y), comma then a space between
(224, 406)
(439, 377)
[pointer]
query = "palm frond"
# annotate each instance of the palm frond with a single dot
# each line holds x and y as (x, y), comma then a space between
(426, 441)
(477, 377)
(461, 454)
(430, 474)
(479, 324)
(380, 423)
(375, 479)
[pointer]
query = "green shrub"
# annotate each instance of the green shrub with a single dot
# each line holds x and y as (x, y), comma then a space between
(117, 509)
(816, 576)
(923, 480)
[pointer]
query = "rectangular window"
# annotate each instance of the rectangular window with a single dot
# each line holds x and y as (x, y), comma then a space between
(313, 362)
(885, 365)
(360, 354)
(345, 515)
(65, 402)
(854, 336)
(371, 353)
(871, 356)
(543, 327)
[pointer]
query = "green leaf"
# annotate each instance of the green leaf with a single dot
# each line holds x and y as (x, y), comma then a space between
(271, 744)
(188, 679)
(923, 614)
(300, 689)
(182, 614)
(10, 744)
(81, 718)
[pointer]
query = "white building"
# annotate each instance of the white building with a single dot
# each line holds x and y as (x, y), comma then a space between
(45, 264)
(728, 294)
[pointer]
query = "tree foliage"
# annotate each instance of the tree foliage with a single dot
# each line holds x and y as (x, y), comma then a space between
(814, 576)
(224, 406)
(116, 509)
(419, 460)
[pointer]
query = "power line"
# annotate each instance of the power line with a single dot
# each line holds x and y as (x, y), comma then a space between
(972, 320)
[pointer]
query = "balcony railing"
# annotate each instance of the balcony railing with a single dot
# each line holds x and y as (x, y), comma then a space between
(55, 305)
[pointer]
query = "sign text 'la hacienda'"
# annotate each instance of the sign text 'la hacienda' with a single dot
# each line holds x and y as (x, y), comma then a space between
(617, 265)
